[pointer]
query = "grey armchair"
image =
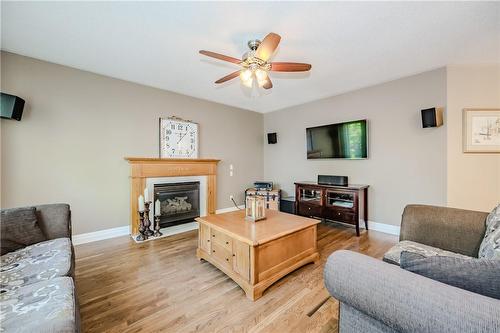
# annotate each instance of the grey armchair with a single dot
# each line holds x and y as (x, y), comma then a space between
(376, 296)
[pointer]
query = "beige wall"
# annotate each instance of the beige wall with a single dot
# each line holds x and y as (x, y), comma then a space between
(473, 179)
(406, 164)
(78, 126)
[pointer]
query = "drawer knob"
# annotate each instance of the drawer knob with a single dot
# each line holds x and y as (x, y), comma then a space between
(309, 208)
(227, 259)
(338, 214)
(213, 251)
(227, 242)
(213, 235)
(234, 255)
(208, 240)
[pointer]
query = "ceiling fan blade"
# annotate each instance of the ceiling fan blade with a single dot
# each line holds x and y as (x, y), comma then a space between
(228, 77)
(220, 56)
(289, 67)
(268, 46)
(267, 84)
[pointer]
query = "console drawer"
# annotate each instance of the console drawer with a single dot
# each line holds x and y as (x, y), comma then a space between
(337, 215)
(309, 210)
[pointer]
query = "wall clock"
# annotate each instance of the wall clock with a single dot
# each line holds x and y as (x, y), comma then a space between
(178, 138)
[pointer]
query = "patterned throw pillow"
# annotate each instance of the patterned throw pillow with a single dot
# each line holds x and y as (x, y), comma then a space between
(490, 246)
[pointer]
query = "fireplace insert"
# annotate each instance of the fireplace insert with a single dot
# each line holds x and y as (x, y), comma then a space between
(179, 202)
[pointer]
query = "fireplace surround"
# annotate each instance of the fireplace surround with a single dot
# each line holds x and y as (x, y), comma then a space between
(145, 172)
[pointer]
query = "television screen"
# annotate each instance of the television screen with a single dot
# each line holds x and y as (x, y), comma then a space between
(344, 140)
(11, 107)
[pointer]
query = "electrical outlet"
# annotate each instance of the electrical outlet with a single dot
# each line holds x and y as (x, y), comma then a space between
(231, 198)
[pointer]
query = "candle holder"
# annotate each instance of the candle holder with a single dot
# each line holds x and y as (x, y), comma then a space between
(148, 232)
(157, 226)
(142, 235)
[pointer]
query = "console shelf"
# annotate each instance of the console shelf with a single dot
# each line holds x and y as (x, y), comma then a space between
(347, 204)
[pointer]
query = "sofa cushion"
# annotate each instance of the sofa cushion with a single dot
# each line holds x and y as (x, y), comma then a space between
(19, 228)
(47, 306)
(35, 263)
(480, 276)
(393, 255)
(490, 246)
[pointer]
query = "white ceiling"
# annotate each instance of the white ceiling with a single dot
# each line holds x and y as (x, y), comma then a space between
(349, 44)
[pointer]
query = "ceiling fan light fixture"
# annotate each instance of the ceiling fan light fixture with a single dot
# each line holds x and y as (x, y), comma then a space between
(261, 76)
(246, 74)
(257, 62)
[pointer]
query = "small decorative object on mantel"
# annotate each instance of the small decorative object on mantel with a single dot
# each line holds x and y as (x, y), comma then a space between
(481, 130)
(255, 209)
(178, 138)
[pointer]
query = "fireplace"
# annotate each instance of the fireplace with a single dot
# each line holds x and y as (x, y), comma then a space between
(179, 202)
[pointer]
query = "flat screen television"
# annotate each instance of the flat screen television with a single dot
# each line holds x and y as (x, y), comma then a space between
(347, 140)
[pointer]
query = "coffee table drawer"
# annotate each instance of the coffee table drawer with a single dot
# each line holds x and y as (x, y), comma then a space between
(222, 255)
(222, 239)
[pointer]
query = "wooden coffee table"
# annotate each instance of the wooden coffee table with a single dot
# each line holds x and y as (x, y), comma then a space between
(257, 254)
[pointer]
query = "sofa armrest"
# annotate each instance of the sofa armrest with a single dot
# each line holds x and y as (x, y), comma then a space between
(54, 220)
(405, 301)
(451, 229)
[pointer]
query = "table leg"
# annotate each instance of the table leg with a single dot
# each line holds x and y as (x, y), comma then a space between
(366, 209)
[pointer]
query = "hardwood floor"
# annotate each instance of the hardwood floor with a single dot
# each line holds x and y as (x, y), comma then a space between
(160, 286)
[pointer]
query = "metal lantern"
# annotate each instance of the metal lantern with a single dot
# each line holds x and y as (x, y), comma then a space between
(255, 208)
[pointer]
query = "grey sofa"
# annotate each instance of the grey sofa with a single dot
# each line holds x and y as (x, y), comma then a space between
(37, 289)
(377, 296)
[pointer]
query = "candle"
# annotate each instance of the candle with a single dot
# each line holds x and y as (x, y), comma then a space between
(141, 203)
(146, 195)
(157, 207)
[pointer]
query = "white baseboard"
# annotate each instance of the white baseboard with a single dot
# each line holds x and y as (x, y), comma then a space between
(227, 210)
(123, 231)
(382, 227)
(100, 235)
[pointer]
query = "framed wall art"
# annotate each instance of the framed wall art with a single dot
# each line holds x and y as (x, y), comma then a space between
(481, 130)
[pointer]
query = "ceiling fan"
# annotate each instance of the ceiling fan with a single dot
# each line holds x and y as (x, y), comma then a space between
(256, 62)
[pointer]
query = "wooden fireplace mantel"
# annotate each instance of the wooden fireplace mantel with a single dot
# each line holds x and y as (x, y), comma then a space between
(145, 167)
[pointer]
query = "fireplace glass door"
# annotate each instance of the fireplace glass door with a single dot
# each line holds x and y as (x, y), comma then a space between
(179, 202)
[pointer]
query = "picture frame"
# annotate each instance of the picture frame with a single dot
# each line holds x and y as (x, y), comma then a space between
(481, 130)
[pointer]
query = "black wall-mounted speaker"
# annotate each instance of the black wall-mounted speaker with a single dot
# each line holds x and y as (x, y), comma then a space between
(272, 138)
(432, 117)
(11, 107)
(333, 180)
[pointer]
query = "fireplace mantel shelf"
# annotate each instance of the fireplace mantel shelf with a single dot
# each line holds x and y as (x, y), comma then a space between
(148, 167)
(172, 160)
